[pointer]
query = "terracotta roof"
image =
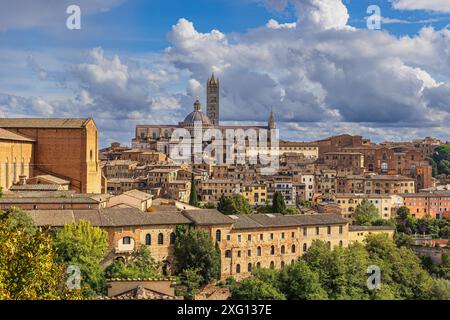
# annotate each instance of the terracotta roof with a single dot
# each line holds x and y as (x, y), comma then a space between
(279, 220)
(207, 217)
(8, 135)
(370, 228)
(69, 123)
(108, 217)
(36, 187)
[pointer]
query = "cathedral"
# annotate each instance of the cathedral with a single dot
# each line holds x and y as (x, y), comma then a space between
(157, 137)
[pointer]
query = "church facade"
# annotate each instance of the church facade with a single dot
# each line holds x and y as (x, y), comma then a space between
(157, 137)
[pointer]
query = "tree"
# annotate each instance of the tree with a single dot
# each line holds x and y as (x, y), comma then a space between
(84, 246)
(193, 199)
(440, 289)
(28, 268)
(365, 213)
(190, 282)
(278, 204)
(440, 160)
(141, 265)
(194, 249)
(237, 204)
(17, 219)
(299, 282)
(255, 289)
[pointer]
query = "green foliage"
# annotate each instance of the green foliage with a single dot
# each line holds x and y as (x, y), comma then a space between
(255, 289)
(141, 265)
(27, 265)
(84, 246)
(278, 204)
(193, 198)
(366, 213)
(17, 219)
(440, 160)
(440, 289)
(194, 249)
(304, 203)
(237, 204)
(291, 211)
(299, 282)
(190, 283)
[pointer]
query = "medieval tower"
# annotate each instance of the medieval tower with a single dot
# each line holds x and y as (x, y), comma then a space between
(212, 100)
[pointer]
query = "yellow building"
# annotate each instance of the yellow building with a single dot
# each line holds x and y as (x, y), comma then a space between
(256, 194)
(359, 233)
(65, 148)
(386, 204)
(16, 157)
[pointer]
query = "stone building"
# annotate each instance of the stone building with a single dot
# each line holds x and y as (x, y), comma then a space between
(16, 158)
(66, 148)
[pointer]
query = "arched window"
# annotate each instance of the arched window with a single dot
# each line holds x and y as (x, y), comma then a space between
(228, 254)
(172, 238)
(329, 244)
(258, 251)
(238, 268)
(305, 247)
(283, 249)
(249, 267)
(218, 235)
(272, 265)
(292, 261)
(340, 243)
(293, 248)
(148, 239)
(272, 250)
(258, 264)
(160, 239)
(282, 264)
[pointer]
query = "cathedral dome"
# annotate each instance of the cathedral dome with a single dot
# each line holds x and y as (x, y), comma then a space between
(197, 116)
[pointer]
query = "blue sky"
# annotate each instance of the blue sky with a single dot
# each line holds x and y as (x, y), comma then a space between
(119, 68)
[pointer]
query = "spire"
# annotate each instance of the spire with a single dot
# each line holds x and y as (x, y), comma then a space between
(197, 105)
(271, 123)
(212, 80)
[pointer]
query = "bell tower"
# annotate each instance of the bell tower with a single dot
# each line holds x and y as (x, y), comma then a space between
(212, 100)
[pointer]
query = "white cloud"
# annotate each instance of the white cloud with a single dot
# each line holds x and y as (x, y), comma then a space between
(433, 5)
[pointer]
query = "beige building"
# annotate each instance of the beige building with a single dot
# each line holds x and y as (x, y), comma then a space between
(66, 148)
(359, 233)
(16, 158)
(385, 204)
(211, 190)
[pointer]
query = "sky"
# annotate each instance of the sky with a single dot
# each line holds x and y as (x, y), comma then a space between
(314, 62)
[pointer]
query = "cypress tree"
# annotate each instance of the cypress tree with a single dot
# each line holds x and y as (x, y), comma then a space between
(193, 200)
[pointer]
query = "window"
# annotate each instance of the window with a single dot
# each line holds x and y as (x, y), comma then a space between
(258, 264)
(228, 254)
(238, 268)
(239, 238)
(272, 265)
(172, 238)
(272, 250)
(329, 230)
(282, 235)
(293, 235)
(218, 235)
(305, 232)
(329, 244)
(340, 243)
(261, 237)
(271, 236)
(160, 239)
(293, 248)
(283, 250)
(258, 251)
(341, 229)
(126, 240)
(249, 237)
(249, 253)
(305, 247)
(282, 264)
(249, 267)
(317, 230)
(239, 253)
(148, 239)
